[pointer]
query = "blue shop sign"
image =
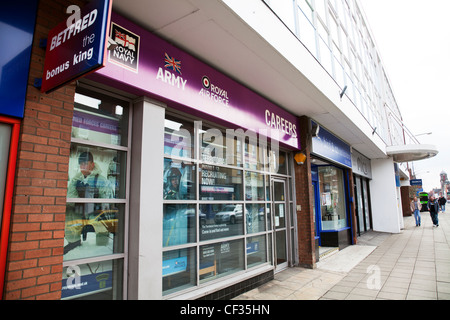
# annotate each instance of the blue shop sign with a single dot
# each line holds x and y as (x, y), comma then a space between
(416, 182)
(327, 146)
(17, 22)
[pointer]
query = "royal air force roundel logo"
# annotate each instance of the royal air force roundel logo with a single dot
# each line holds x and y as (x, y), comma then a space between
(206, 83)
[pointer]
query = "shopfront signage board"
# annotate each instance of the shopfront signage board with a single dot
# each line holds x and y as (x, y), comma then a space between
(76, 47)
(328, 146)
(17, 25)
(144, 64)
(416, 182)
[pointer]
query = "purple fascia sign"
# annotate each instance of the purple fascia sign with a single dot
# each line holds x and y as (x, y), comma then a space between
(144, 64)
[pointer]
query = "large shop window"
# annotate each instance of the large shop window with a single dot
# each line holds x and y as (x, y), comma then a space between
(332, 197)
(97, 206)
(216, 212)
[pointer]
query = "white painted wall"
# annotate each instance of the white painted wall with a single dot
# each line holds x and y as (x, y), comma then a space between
(147, 166)
(385, 197)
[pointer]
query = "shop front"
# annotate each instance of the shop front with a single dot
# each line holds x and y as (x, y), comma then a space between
(180, 179)
(17, 32)
(330, 164)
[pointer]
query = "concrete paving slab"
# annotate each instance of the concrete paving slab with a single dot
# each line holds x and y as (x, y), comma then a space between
(411, 265)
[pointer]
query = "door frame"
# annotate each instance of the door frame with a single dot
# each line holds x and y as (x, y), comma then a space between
(287, 227)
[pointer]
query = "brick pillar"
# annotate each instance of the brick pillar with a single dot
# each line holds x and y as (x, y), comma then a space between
(304, 196)
(35, 254)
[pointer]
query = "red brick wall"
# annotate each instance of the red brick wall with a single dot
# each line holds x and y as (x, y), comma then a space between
(304, 197)
(35, 255)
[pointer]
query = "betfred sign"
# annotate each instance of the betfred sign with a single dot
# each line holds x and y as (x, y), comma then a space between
(77, 46)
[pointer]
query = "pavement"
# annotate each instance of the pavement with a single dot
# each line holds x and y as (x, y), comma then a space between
(411, 265)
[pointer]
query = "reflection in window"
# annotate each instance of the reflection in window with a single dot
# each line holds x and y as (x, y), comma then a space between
(219, 183)
(221, 259)
(101, 119)
(179, 180)
(221, 148)
(93, 229)
(254, 186)
(256, 251)
(221, 221)
(278, 161)
(97, 174)
(332, 198)
(179, 224)
(254, 152)
(208, 212)
(179, 270)
(255, 217)
(178, 138)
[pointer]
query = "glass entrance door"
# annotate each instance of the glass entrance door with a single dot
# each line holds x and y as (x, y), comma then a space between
(280, 223)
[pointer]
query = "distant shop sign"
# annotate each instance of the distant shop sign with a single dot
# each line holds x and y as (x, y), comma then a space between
(77, 46)
(329, 147)
(415, 182)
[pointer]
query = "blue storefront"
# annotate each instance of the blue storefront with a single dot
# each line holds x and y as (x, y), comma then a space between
(17, 24)
(331, 162)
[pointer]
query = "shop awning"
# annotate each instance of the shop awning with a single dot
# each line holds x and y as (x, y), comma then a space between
(412, 152)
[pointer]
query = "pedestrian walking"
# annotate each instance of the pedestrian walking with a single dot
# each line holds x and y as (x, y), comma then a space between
(433, 208)
(416, 206)
(442, 202)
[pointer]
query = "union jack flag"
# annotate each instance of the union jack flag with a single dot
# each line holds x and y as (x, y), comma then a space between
(172, 63)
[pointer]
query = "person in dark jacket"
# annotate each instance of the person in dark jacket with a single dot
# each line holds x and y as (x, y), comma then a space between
(442, 202)
(433, 207)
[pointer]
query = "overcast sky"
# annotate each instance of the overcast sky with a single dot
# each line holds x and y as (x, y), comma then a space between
(413, 40)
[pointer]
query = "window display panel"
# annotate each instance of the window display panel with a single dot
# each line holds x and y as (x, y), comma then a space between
(256, 251)
(179, 270)
(96, 172)
(221, 221)
(221, 148)
(334, 216)
(255, 220)
(220, 183)
(101, 119)
(254, 186)
(266, 179)
(178, 138)
(221, 259)
(93, 229)
(278, 191)
(179, 224)
(179, 180)
(277, 161)
(269, 216)
(101, 280)
(254, 153)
